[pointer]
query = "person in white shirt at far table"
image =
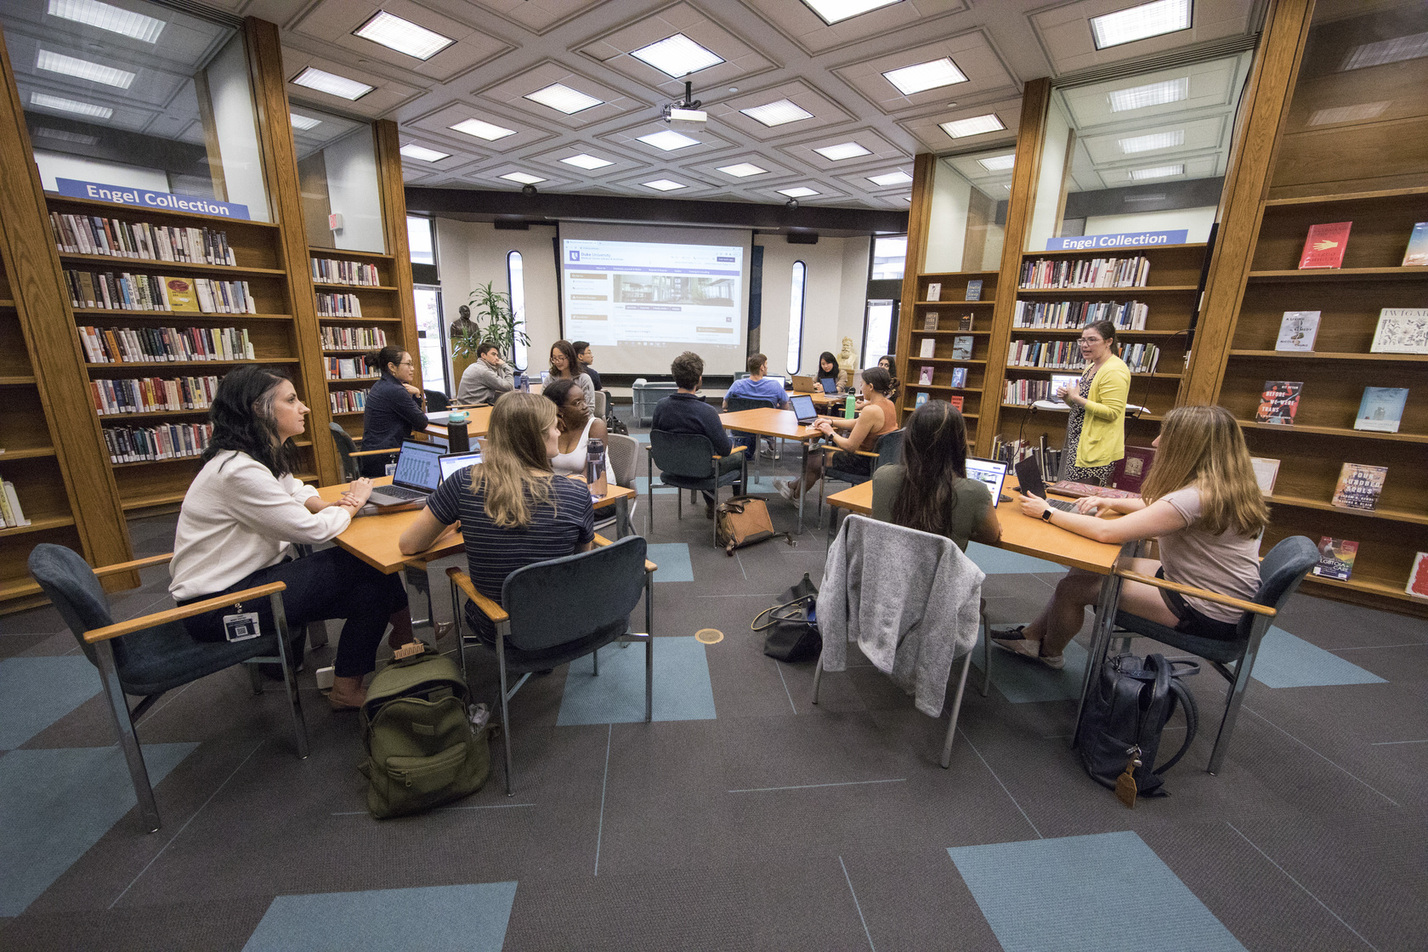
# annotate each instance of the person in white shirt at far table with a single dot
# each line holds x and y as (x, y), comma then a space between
(244, 511)
(487, 378)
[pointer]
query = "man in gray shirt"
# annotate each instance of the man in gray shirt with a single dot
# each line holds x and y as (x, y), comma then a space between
(487, 378)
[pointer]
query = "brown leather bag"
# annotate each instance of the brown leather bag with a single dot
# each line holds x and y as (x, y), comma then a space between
(743, 521)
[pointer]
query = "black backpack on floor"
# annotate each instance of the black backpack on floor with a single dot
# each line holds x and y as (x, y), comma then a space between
(1128, 707)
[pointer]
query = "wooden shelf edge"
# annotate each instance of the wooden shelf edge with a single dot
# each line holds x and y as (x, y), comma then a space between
(18, 588)
(1120, 331)
(360, 320)
(338, 253)
(34, 452)
(353, 287)
(1332, 431)
(949, 303)
(954, 333)
(1390, 515)
(944, 275)
(160, 264)
(1382, 589)
(38, 525)
(17, 381)
(1324, 274)
(1143, 289)
(1366, 196)
(155, 462)
(114, 313)
(1317, 355)
(149, 415)
(1072, 370)
(190, 363)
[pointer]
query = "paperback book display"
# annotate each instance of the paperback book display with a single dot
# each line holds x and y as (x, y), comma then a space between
(927, 348)
(964, 323)
(1279, 402)
(1336, 558)
(1418, 577)
(961, 348)
(1381, 409)
(12, 516)
(921, 399)
(959, 376)
(956, 401)
(1086, 273)
(1417, 254)
(1266, 470)
(1325, 245)
(1359, 486)
(934, 290)
(1297, 331)
(974, 290)
(929, 321)
(1401, 330)
(924, 376)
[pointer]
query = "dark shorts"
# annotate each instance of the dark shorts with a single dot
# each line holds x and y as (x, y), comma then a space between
(1193, 622)
(845, 462)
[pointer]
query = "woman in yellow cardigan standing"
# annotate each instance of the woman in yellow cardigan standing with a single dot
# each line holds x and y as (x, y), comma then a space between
(1096, 432)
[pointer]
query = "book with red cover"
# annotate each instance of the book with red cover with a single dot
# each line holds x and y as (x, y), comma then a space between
(1325, 244)
(956, 401)
(1418, 577)
(1279, 402)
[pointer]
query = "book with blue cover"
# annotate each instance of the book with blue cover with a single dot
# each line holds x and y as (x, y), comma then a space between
(1381, 409)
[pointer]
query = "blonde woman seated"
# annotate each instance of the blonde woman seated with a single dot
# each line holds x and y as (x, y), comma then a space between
(513, 510)
(1203, 506)
(877, 417)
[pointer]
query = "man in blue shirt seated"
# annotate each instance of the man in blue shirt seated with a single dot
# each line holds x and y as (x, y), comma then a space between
(758, 386)
(686, 412)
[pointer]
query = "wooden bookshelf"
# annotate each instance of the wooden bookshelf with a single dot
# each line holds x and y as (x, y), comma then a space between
(950, 309)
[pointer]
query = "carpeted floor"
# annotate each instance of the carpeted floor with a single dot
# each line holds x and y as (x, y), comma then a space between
(744, 817)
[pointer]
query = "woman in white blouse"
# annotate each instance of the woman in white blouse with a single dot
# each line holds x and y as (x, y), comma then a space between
(242, 515)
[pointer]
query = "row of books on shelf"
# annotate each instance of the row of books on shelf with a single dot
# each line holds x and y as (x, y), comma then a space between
(1066, 355)
(1086, 272)
(1337, 557)
(961, 348)
(145, 444)
(116, 345)
(927, 373)
(348, 401)
(97, 235)
(931, 321)
(955, 399)
(1127, 316)
(1400, 330)
(335, 271)
(1012, 452)
(12, 516)
(338, 305)
(973, 293)
(152, 394)
(353, 338)
(1359, 485)
(1024, 391)
(1380, 408)
(347, 368)
(1325, 244)
(152, 292)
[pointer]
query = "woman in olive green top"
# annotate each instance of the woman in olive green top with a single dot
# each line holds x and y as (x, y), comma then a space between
(930, 490)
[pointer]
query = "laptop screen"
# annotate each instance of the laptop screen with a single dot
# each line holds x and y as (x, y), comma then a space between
(1063, 380)
(450, 464)
(990, 472)
(829, 384)
(803, 407)
(418, 466)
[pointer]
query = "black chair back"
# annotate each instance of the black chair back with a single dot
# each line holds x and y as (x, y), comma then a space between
(746, 403)
(70, 584)
(597, 591)
(682, 455)
(346, 446)
(889, 448)
(436, 401)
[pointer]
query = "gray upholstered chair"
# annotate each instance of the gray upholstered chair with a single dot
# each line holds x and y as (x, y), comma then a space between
(624, 463)
(534, 632)
(688, 461)
(152, 654)
(889, 450)
(1280, 573)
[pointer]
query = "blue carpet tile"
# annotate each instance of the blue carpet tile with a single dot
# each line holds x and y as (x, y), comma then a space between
(996, 561)
(1285, 661)
(682, 689)
(672, 559)
(1023, 681)
(39, 691)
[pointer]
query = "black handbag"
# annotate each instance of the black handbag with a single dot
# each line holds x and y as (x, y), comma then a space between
(792, 625)
(1129, 705)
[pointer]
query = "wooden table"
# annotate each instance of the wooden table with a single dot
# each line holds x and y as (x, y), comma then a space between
(782, 424)
(1042, 540)
(479, 423)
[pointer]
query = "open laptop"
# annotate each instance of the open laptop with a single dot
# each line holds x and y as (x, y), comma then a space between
(804, 384)
(458, 461)
(417, 475)
(1063, 380)
(803, 409)
(992, 473)
(1028, 475)
(829, 384)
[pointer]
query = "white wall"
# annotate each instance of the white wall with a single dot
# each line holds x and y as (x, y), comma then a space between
(54, 165)
(1044, 220)
(354, 192)
(1196, 220)
(472, 253)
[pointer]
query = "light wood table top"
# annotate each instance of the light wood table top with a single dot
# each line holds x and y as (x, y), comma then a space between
(768, 421)
(1020, 532)
(480, 422)
(373, 539)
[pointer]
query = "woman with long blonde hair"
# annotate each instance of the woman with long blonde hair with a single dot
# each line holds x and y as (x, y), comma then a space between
(1203, 506)
(512, 508)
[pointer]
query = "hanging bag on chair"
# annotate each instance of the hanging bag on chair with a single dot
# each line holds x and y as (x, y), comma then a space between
(791, 624)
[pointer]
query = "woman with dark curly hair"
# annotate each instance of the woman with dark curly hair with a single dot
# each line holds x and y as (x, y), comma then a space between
(243, 513)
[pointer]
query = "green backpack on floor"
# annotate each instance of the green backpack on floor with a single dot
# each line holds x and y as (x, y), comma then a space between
(422, 748)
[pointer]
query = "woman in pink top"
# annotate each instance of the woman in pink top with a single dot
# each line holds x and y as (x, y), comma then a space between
(1202, 505)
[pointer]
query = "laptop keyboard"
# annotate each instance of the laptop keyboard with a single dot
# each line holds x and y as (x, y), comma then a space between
(1059, 504)
(402, 493)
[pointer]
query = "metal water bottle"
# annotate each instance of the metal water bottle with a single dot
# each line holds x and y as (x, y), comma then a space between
(595, 467)
(458, 434)
(848, 406)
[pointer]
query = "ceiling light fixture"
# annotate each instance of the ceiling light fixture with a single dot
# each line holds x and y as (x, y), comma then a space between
(1160, 171)
(303, 123)
(1140, 22)
(973, 126)
(46, 101)
(587, 162)
(844, 150)
(924, 76)
(482, 130)
(668, 140)
(63, 135)
(742, 170)
(1152, 142)
(83, 69)
(1383, 52)
(1355, 113)
(1151, 94)
(998, 163)
(777, 113)
(331, 83)
(890, 178)
(664, 185)
(563, 99)
(422, 154)
(403, 36)
(525, 178)
(800, 191)
(677, 56)
(836, 11)
(106, 16)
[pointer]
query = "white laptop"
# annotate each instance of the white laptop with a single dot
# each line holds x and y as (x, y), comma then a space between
(992, 473)
(458, 461)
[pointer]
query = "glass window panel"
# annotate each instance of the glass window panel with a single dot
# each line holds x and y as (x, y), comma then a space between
(795, 316)
(429, 338)
(889, 256)
(969, 210)
(515, 275)
(877, 333)
(337, 174)
(421, 240)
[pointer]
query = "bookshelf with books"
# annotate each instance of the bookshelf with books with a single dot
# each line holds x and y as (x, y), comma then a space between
(947, 334)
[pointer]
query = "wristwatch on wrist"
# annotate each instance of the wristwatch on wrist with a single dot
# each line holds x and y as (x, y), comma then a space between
(1046, 514)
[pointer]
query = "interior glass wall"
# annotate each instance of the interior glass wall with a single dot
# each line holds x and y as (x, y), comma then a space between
(337, 174)
(969, 210)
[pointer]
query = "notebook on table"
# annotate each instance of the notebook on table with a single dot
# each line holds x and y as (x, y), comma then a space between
(1028, 475)
(990, 472)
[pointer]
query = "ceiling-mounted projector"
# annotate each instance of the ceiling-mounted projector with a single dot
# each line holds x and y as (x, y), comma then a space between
(684, 111)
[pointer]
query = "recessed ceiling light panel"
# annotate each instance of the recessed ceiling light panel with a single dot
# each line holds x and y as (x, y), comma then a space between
(525, 178)
(61, 104)
(890, 179)
(677, 56)
(83, 69)
(403, 36)
(1152, 142)
(483, 130)
(1160, 171)
(1151, 94)
(836, 11)
(303, 123)
(422, 154)
(998, 163)
(844, 150)
(742, 170)
(587, 162)
(800, 191)
(664, 185)
(1140, 22)
(777, 113)
(332, 84)
(668, 140)
(973, 126)
(924, 76)
(106, 16)
(563, 99)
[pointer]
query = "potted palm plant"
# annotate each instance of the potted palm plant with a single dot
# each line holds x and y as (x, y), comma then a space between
(486, 316)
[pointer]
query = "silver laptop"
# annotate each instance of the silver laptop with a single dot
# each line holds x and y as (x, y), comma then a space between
(458, 461)
(803, 409)
(417, 475)
(992, 473)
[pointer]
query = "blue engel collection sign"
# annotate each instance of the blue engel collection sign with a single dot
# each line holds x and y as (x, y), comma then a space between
(146, 198)
(1131, 239)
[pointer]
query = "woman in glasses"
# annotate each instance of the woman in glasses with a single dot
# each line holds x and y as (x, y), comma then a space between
(1096, 430)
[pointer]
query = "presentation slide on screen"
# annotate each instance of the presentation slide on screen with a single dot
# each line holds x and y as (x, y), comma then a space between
(641, 296)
